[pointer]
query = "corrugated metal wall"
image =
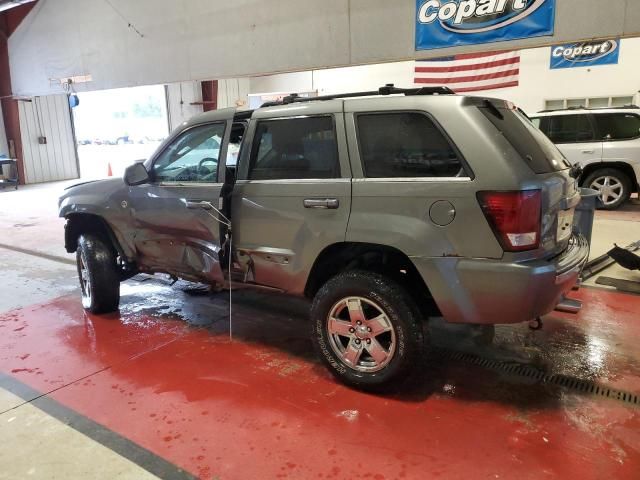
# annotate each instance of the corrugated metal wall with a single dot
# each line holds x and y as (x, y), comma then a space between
(179, 99)
(234, 93)
(48, 117)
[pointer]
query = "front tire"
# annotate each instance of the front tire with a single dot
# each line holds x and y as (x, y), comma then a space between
(98, 274)
(613, 185)
(366, 329)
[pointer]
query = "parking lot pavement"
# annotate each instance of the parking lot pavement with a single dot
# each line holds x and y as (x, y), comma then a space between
(95, 160)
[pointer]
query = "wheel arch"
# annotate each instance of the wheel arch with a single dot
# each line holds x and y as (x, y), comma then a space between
(81, 223)
(383, 259)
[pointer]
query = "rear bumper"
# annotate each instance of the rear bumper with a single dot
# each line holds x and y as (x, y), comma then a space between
(494, 292)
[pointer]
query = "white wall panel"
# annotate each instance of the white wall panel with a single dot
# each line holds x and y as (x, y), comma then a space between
(537, 81)
(180, 96)
(49, 117)
(212, 39)
(285, 82)
(233, 93)
(4, 146)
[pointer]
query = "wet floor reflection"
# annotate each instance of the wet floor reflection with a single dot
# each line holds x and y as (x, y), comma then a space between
(565, 346)
(163, 372)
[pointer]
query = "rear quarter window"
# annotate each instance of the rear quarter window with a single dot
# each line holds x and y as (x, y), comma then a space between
(406, 144)
(618, 126)
(565, 129)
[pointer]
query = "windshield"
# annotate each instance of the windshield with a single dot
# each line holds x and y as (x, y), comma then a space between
(533, 146)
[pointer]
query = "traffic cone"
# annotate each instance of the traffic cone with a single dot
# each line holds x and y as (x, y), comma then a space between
(109, 171)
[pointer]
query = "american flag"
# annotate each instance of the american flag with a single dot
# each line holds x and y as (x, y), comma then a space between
(470, 72)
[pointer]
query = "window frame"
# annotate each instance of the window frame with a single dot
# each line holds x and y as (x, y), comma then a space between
(468, 170)
(159, 154)
(546, 120)
(245, 125)
(253, 151)
(612, 140)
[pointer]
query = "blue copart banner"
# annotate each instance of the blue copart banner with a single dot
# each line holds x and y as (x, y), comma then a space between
(585, 54)
(450, 23)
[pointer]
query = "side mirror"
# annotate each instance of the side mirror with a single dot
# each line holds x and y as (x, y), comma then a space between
(136, 174)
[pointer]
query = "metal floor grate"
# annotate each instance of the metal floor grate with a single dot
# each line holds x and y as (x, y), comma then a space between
(527, 371)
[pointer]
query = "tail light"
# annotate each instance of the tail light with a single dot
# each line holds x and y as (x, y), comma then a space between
(514, 217)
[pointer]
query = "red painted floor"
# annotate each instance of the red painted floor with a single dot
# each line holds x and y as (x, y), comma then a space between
(261, 407)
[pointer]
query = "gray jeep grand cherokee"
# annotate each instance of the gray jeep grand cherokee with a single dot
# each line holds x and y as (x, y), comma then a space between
(384, 207)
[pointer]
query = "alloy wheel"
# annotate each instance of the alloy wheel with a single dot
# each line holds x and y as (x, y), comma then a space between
(361, 334)
(85, 282)
(610, 189)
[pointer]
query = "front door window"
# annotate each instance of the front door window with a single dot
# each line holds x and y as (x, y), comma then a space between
(192, 158)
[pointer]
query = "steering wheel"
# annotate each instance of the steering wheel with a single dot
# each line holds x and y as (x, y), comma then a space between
(203, 171)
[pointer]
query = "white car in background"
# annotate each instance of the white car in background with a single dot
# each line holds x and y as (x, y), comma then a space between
(604, 142)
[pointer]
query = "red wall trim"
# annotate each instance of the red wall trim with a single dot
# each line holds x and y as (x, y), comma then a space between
(9, 21)
(209, 95)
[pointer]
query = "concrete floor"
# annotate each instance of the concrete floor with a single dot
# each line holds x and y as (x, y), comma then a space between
(159, 389)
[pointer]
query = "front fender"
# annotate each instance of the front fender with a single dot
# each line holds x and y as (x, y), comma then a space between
(104, 201)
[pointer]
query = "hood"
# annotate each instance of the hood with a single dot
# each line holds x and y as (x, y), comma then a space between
(80, 183)
(96, 189)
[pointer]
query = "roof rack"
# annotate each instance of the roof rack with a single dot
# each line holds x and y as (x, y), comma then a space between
(388, 89)
(624, 107)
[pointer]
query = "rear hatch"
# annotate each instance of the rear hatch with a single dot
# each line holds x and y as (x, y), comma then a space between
(558, 192)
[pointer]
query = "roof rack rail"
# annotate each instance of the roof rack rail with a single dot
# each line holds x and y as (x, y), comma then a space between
(388, 89)
(624, 107)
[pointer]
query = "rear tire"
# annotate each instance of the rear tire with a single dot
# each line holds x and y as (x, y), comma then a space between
(98, 274)
(614, 185)
(387, 343)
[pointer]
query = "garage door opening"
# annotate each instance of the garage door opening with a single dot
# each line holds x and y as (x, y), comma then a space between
(115, 128)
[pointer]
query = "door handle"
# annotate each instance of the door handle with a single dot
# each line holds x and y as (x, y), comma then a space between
(588, 151)
(326, 203)
(192, 205)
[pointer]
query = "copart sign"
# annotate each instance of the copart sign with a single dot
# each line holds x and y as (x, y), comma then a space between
(449, 23)
(586, 54)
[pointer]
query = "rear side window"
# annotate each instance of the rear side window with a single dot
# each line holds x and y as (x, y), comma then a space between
(565, 129)
(618, 126)
(531, 144)
(406, 144)
(295, 148)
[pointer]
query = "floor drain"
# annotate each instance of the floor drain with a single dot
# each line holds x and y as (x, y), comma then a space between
(528, 371)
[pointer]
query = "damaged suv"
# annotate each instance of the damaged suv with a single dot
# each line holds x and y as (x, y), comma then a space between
(384, 208)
